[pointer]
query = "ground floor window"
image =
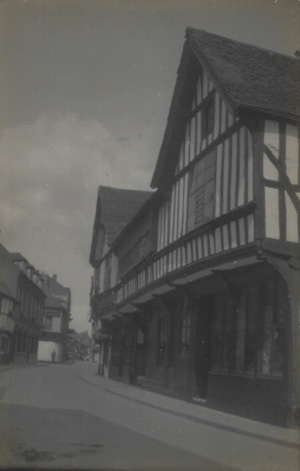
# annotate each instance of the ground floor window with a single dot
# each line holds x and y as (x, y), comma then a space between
(4, 343)
(185, 328)
(271, 339)
(19, 341)
(248, 328)
(222, 332)
(161, 340)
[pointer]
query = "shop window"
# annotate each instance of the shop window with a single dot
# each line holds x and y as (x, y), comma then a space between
(251, 341)
(161, 340)
(217, 334)
(201, 192)
(24, 342)
(185, 328)
(174, 333)
(222, 333)
(19, 341)
(271, 348)
(4, 343)
(246, 331)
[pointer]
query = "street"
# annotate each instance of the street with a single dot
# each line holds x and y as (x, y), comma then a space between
(60, 416)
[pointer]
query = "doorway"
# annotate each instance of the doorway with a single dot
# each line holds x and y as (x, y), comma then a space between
(203, 332)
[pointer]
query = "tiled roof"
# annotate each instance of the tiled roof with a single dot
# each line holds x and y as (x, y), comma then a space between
(17, 256)
(58, 296)
(118, 206)
(54, 303)
(250, 76)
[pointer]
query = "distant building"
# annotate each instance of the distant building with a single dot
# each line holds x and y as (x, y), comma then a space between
(22, 308)
(9, 305)
(52, 344)
(115, 208)
(198, 294)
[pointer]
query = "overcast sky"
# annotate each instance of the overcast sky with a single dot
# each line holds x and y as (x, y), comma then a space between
(85, 92)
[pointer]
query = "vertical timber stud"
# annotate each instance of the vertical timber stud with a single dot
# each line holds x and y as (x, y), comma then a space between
(282, 207)
(163, 302)
(257, 129)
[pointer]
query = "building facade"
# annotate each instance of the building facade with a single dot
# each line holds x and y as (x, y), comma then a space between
(9, 305)
(206, 292)
(115, 208)
(57, 313)
(22, 312)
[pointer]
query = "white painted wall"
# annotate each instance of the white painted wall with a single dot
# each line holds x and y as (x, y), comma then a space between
(45, 349)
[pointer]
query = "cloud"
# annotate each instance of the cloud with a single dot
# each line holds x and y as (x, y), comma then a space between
(50, 174)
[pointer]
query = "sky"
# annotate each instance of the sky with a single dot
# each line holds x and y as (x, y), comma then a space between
(85, 91)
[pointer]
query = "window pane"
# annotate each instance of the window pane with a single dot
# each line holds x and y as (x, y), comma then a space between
(279, 331)
(251, 335)
(240, 335)
(265, 354)
(217, 334)
(48, 323)
(228, 332)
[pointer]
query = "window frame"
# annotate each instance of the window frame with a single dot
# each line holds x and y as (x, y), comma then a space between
(208, 117)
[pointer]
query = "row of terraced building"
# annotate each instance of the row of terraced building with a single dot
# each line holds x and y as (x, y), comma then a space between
(196, 285)
(34, 312)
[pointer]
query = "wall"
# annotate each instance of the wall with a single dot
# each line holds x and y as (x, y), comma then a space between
(45, 350)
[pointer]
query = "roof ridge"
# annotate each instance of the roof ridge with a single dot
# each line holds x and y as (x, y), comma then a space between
(191, 29)
(122, 189)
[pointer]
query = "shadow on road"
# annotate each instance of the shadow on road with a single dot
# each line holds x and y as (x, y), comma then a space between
(66, 439)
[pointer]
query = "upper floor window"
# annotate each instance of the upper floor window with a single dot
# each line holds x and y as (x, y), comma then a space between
(208, 117)
(48, 323)
(107, 275)
(6, 306)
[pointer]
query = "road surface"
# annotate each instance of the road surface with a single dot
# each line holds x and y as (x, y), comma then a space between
(60, 416)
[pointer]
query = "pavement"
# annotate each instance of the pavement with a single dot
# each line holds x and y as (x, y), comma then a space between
(274, 448)
(224, 438)
(196, 412)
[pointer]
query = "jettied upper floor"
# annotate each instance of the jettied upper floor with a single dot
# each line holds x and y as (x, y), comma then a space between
(228, 170)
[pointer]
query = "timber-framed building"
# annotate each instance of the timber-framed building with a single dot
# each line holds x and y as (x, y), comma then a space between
(206, 293)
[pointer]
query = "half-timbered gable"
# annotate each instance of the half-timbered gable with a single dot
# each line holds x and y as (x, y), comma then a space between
(210, 160)
(134, 246)
(115, 208)
(136, 241)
